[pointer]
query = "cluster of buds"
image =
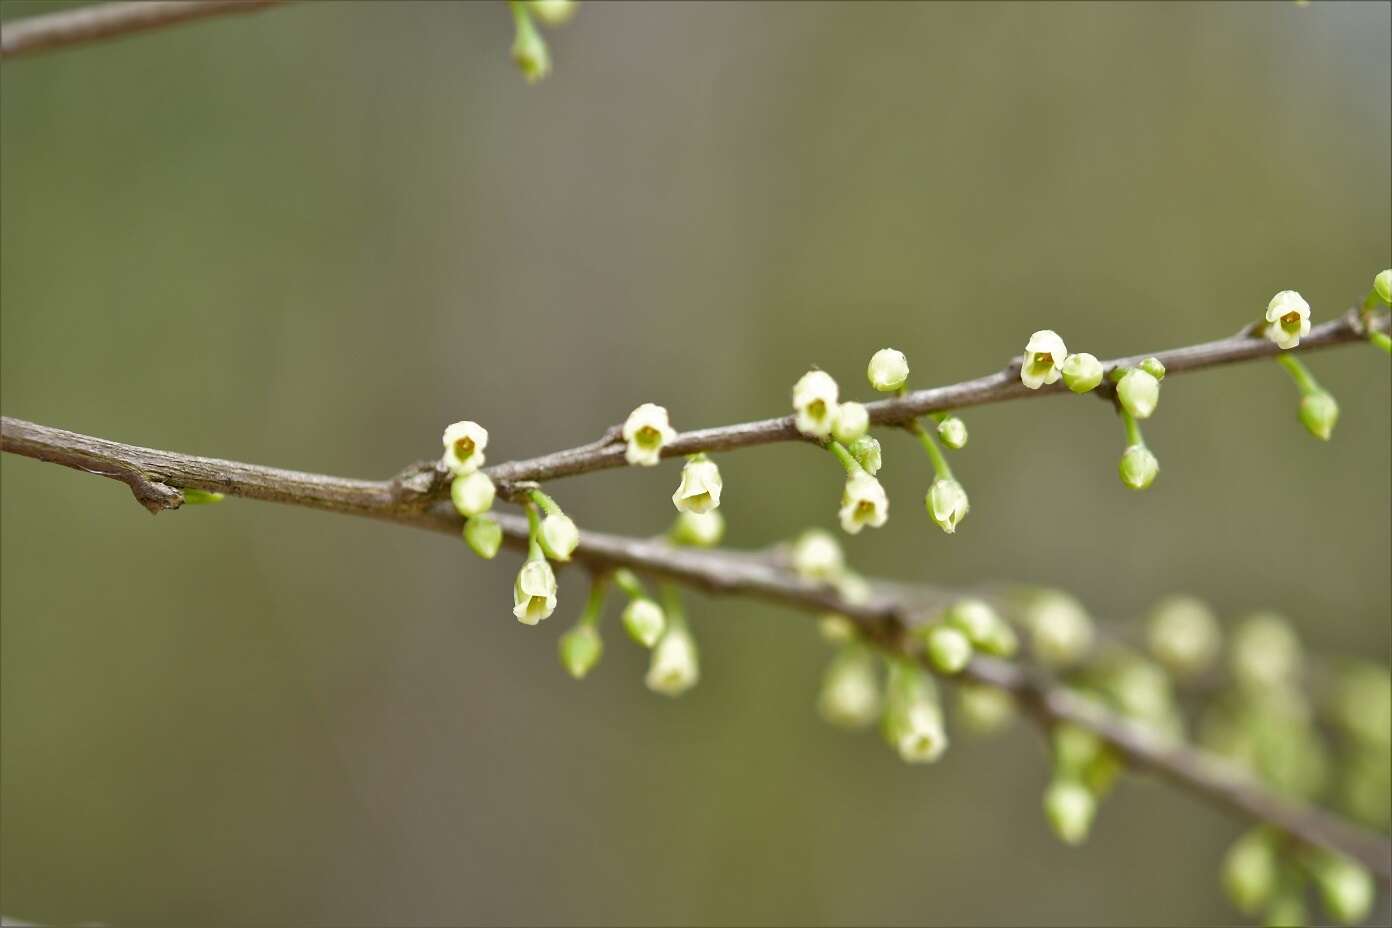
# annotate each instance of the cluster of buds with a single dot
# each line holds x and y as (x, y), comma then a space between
(471, 490)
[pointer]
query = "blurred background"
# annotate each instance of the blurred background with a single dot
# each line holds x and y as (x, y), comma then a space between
(313, 236)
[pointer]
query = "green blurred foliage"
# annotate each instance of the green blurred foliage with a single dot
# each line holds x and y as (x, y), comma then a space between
(313, 236)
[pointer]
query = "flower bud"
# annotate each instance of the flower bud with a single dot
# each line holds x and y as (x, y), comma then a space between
(464, 444)
(866, 451)
(1076, 750)
(953, 432)
(553, 12)
(1082, 372)
(699, 491)
(983, 626)
(1289, 318)
(1265, 652)
(836, 629)
(984, 709)
(948, 649)
(888, 370)
(200, 497)
(1141, 690)
(1061, 632)
(1287, 908)
(528, 47)
(1362, 705)
(644, 621)
(1319, 412)
(580, 649)
(1070, 809)
(472, 493)
(1154, 367)
(1249, 871)
(1346, 888)
(863, 502)
(852, 421)
(817, 555)
(645, 431)
(850, 694)
(534, 592)
(674, 667)
(484, 536)
(699, 530)
(1183, 635)
(1138, 467)
(814, 403)
(1382, 283)
(559, 536)
(1044, 355)
(1139, 392)
(947, 503)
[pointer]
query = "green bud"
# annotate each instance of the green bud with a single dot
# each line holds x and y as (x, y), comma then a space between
(1082, 372)
(1265, 652)
(581, 649)
(866, 451)
(1139, 393)
(1346, 888)
(1061, 631)
(644, 621)
(1319, 412)
(953, 432)
(1070, 809)
(200, 497)
(1075, 750)
(1287, 909)
(983, 627)
(948, 649)
(1382, 283)
(984, 709)
(698, 529)
(850, 694)
(1183, 634)
(1250, 871)
(1138, 467)
(484, 535)
(472, 493)
(528, 47)
(1154, 368)
(912, 722)
(553, 12)
(947, 503)
(836, 629)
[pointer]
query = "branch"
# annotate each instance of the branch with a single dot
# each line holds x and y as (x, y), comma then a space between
(993, 388)
(110, 20)
(883, 618)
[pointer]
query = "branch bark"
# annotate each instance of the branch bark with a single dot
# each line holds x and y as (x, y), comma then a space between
(883, 618)
(111, 20)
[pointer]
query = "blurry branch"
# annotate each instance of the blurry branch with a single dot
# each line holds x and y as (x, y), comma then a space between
(993, 388)
(109, 20)
(158, 477)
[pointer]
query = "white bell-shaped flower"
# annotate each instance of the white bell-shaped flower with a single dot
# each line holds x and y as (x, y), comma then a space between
(645, 431)
(863, 502)
(1288, 316)
(815, 398)
(534, 592)
(1044, 356)
(699, 491)
(947, 503)
(674, 667)
(464, 443)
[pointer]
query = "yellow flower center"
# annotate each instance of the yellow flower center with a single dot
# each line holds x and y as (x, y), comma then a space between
(648, 436)
(463, 447)
(1043, 359)
(1290, 321)
(865, 508)
(816, 409)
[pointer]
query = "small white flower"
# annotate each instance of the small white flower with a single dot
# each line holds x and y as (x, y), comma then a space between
(559, 536)
(852, 421)
(947, 503)
(699, 530)
(863, 502)
(814, 402)
(1139, 393)
(699, 491)
(644, 621)
(1044, 355)
(472, 493)
(888, 370)
(464, 444)
(674, 668)
(534, 593)
(921, 738)
(953, 432)
(646, 430)
(1289, 316)
(817, 555)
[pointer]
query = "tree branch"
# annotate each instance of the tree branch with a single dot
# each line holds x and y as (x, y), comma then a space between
(993, 388)
(110, 20)
(883, 618)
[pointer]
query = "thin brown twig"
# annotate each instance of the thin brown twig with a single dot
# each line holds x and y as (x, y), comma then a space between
(883, 617)
(110, 20)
